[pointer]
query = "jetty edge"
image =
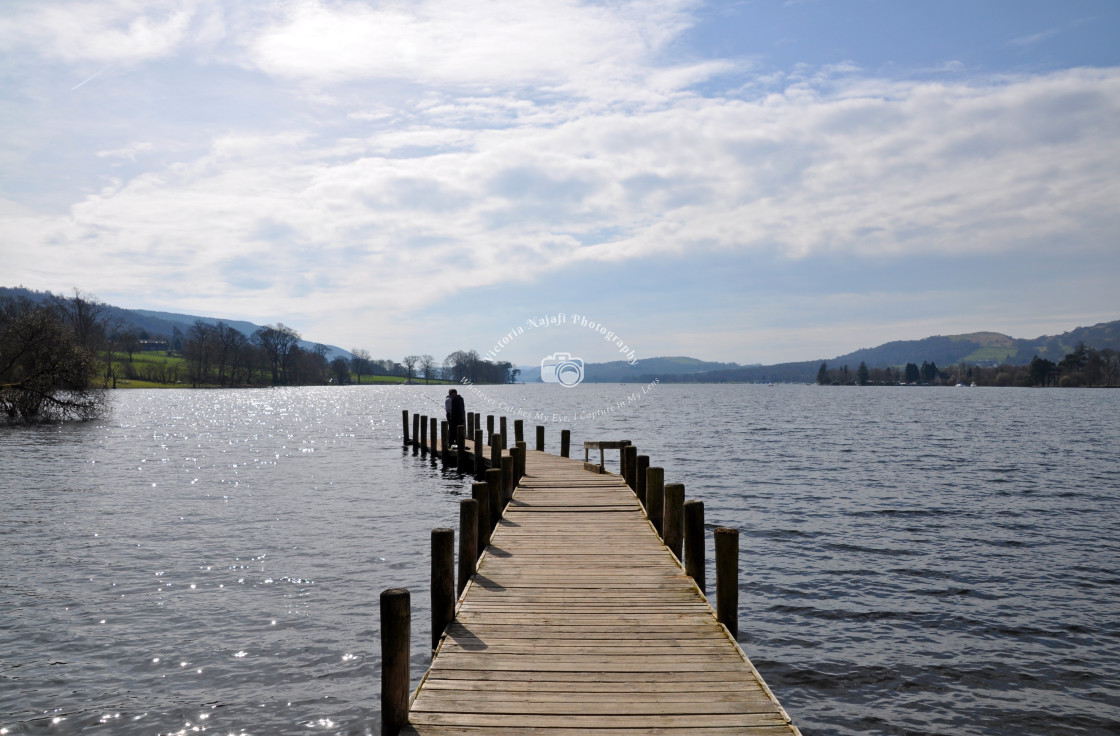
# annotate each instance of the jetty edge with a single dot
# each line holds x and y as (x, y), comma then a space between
(575, 612)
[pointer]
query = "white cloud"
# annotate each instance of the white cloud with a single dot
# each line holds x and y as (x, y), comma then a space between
(434, 147)
(127, 31)
(929, 168)
(557, 43)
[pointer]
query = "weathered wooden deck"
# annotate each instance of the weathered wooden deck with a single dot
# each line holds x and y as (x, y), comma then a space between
(581, 621)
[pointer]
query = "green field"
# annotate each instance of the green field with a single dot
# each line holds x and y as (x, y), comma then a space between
(174, 368)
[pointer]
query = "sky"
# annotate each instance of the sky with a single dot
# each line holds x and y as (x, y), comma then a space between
(752, 182)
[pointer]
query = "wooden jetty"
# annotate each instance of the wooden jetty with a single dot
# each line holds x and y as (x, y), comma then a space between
(580, 619)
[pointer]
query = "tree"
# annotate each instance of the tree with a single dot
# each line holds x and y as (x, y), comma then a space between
(359, 364)
(228, 341)
(822, 375)
(410, 362)
(91, 323)
(45, 373)
(129, 342)
(427, 367)
(198, 347)
(863, 375)
(278, 342)
(1040, 371)
(911, 373)
(340, 369)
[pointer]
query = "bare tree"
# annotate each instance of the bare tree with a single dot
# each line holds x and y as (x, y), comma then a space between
(410, 362)
(359, 364)
(278, 342)
(427, 367)
(45, 374)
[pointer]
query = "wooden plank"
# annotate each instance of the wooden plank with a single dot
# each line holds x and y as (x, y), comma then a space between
(580, 621)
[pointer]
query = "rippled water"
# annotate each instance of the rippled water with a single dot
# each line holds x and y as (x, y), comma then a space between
(915, 560)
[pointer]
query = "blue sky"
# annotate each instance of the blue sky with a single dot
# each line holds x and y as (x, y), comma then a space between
(744, 181)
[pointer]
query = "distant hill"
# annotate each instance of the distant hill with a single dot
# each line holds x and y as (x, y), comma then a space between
(983, 348)
(163, 324)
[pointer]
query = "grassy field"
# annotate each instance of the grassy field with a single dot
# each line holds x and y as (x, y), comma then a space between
(144, 362)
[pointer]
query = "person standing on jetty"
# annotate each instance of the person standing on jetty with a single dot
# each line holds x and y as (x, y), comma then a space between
(456, 410)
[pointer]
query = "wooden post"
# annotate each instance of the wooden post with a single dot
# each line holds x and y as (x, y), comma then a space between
(479, 467)
(490, 429)
(423, 434)
(433, 444)
(494, 485)
(468, 541)
(415, 433)
(481, 492)
(655, 497)
(727, 578)
(521, 448)
(461, 447)
(508, 480)
(694, 542)
(640, 473)
(630, 453)
(496, 451)
(443, 582)
(518, 430)
(404, 415)
(565, 442)
(673, 533)
(470, 424)
(444, 442)
(503, 431)
(396, 635)
(540, 438)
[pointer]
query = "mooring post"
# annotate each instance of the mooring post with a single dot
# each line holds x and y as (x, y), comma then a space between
(508, 480)
(433, 443)
(694, 542)
(444, 444)
(496, 451)
(518, 430)
(468, 542)
(396, 634)
(630, 453)
(727, 578)
(490, 429)
(655, 498)
(415, 433)
(443, 582)
(673, 533)
(461, 447)
(494, 484)
(404, 415)
(423, 434)
(470, 424)
(480, 492)
(479, 467)
(565, 442)
(540, 438)
(521, 448)
(640, 473)
(504, 432)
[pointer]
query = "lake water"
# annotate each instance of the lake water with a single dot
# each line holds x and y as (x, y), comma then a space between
(914, 560)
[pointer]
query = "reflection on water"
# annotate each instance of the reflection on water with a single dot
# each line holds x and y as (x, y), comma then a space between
(914, 560)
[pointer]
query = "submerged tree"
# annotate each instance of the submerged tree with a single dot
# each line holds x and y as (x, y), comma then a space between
(46, 374)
